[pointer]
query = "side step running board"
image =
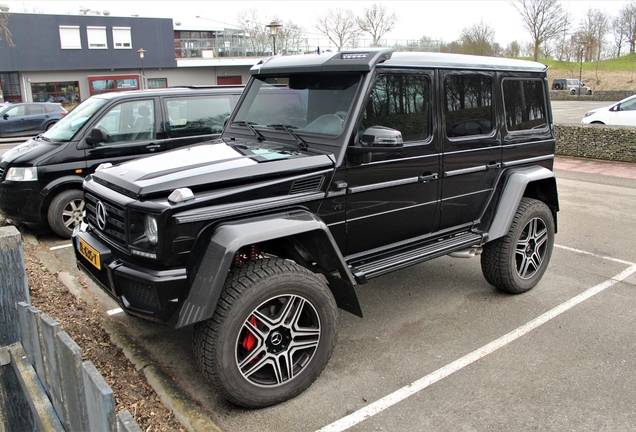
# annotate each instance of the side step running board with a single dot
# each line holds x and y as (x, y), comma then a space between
(370, 268)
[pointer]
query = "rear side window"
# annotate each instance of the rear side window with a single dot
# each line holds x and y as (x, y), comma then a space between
(197, 116)
(468, 105)
(524, 104)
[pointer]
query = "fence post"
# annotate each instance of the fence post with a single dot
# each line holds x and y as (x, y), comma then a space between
(14, 408)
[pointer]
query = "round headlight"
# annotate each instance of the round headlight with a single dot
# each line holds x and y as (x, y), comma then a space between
(150, 229)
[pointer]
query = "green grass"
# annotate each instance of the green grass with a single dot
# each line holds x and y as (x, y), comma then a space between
(623, 63)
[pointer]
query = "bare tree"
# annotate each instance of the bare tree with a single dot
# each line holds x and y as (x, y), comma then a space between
(478, 39)
(627, 16)
(512, 50)
(543, 19)
(339, 26)
(5, 32)
(290, 37)
(256, 38)
(619, 35)
(377, 21)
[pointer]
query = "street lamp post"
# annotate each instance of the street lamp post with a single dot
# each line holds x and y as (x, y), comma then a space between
(141, 52)
(273, 30)
(581, 68)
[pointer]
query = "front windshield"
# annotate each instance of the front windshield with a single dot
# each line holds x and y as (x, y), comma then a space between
(67, 127)
(312, 103)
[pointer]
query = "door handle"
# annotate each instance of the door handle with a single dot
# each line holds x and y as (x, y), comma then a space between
(427, 177)
(153, 147)
(493, 165)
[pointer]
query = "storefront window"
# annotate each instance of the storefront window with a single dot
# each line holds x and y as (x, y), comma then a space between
(157, 82)
(107, 84)
(10, 87)
(65, 93)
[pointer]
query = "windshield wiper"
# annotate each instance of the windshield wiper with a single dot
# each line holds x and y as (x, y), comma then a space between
(43, 138)
(302, 144)
(256, 133)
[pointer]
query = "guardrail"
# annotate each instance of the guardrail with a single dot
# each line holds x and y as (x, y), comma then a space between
(44, 383)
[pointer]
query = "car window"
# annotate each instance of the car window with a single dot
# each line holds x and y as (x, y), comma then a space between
(399, 102)
(524, 104)
(629, 105)
(16, 111)
(468, 108)
(191, 116)
(35, 109)
(129, 121)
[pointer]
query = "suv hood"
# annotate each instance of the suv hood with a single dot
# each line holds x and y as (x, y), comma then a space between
(209, 163)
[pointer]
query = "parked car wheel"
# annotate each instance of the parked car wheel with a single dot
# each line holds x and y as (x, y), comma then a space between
(50, 125)
(271, 336)
(589, 92)
(558, 86)
(572, 92)
(516, 262)
(65, 212)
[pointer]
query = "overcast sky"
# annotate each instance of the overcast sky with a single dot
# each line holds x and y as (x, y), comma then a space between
(441, 20)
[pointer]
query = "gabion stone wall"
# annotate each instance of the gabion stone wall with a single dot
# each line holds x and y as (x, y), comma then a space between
(613, 143)
(600, 95)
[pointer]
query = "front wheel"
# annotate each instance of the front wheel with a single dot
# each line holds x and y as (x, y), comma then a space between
(271, 336)
(516, 262)
(65, 212)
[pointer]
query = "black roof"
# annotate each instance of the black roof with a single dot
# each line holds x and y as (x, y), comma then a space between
(365, 60)
(234, 89)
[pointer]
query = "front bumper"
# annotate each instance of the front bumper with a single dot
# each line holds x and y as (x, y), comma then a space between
(151, 294)
(21, 201)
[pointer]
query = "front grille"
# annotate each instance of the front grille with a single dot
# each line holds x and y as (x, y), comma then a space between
(139, 296)
(115, 228)
(312, 184)
(2, 170)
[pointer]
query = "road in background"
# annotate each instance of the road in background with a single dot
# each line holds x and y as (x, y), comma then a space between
(574, 111)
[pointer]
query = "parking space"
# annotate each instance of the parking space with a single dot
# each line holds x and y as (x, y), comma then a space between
(440, 349)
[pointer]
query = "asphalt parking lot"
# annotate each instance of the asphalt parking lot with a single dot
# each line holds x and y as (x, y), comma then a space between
(440, 349)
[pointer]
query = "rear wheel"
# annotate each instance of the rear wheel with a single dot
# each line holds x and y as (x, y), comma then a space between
(516, 262)
(65, 212)
(271, 336)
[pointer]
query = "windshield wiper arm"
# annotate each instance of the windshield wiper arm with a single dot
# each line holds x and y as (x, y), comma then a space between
(43, 138)
(256, 133)
(302, 144)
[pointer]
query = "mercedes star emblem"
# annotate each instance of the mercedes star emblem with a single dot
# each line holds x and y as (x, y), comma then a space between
(101, 215)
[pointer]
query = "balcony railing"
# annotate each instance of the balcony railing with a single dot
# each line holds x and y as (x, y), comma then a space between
(239, 46)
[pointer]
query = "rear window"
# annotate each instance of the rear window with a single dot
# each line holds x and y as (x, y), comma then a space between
(524, 104)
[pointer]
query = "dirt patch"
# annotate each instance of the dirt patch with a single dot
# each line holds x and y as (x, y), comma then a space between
(601, 80)
(84, 324)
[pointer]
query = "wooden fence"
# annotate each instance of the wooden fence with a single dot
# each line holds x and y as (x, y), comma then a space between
(44, 384)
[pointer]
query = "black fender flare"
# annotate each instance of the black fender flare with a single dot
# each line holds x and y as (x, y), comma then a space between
(516, 187)
(61, 183)
(211, 271)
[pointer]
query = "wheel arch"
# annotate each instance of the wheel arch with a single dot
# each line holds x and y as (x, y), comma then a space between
(54, 188)
(290, 235)
(530, 182)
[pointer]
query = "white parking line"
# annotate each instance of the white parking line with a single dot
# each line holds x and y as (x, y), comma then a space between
(61, 247)
(416, 386)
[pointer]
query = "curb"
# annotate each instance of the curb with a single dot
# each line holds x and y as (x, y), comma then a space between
(183, 407)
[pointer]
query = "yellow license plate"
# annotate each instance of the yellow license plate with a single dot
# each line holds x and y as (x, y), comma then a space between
(89, 253)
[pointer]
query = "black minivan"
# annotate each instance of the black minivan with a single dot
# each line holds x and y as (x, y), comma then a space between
(41, 179)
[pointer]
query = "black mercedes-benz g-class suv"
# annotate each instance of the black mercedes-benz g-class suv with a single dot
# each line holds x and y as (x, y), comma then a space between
(332, 170)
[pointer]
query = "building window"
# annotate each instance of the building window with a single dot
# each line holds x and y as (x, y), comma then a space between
(157, 82)
(106, 84)
(66, 93)
(70, 37)
(10, 83)
(229, 80)
(122, 38)
(96, 37)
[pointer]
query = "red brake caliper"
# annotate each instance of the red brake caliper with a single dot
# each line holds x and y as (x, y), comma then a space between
(249, 340)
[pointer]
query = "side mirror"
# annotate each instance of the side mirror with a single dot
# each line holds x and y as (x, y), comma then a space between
(97, 136)
(6, 116)
(615, 108)
(381, 136)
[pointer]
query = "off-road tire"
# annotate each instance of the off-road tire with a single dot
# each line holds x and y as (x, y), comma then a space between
(516, 262)
(251, 289)
(65, 212)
